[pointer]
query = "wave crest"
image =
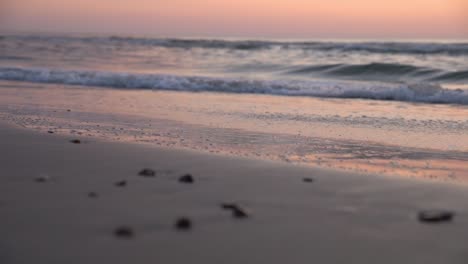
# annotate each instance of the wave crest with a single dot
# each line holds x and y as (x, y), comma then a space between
(381, 70)
(426, 93)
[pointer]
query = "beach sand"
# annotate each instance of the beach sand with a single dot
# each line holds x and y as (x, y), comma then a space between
(425, 141)
(48, 215)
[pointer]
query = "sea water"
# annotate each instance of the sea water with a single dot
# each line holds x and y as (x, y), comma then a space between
(396, 107)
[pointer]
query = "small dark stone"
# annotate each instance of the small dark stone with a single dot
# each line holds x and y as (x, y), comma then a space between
(121, 183)
(183, 224)
(187, 178)
(75, 141)
(147, 173)
(93, 195)
(435, 216)
(237, 211)
(307, 180)
(228, 206)
(124, 232)
(50, 132)
(41, 179)
(68, 110)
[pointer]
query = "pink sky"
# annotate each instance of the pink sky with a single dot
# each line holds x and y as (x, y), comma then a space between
(242, 18)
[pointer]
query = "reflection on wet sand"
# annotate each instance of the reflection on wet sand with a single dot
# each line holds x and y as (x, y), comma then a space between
(392, 138)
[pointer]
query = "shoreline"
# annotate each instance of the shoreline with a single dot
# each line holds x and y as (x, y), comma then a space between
(391, 138)
(85, 139)
(337, 217)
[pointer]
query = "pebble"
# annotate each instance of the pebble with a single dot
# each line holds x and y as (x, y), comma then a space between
(187, 178)
(93, 195)
(228, 206)
(237, 211)
(183, 224)
(124, 232)
(147, 173)
(435, 216)
(50, 132)
(121, 183)
(43, 178)
(307, 180)
(75, 141)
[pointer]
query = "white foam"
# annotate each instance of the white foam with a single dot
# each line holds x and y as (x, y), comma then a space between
(426, 93)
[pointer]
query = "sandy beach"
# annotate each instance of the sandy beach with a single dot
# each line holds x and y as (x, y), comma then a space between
(125, 148)
(49, 215)
(233, 132)
(423, 141)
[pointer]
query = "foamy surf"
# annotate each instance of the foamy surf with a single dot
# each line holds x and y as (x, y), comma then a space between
(418, 92)
(410, 71)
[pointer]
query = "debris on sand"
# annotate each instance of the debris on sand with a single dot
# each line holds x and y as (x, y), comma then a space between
(93, 195)
(187, 178)
(228, 206)
(183, 223)
(121, 183)
(50, 132)
(147, 172)
(237, 211)
(75, 141)
(42, 178)
(435, 216)
(307, 180)
(124, 232)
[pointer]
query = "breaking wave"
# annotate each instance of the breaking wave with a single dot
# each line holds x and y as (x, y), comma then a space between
(382, 71)
(424, 93)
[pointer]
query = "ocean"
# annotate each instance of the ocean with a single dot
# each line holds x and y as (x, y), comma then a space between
(427, 72)
(385, 107)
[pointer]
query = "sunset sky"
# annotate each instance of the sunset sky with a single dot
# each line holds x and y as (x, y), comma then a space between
(241, 18)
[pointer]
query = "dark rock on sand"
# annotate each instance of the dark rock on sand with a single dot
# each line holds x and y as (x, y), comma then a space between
(121, 183)
(187, 178)
(43, 178)
(237, 211)
(147, 173)
(50, 132)
(93, 195)
(307, 180)
(124, 232)
(228, 206)
(183, 224)
(436, 216)
(75, 141)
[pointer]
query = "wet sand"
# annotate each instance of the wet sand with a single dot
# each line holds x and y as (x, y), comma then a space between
(64, 202)
(422, 141)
